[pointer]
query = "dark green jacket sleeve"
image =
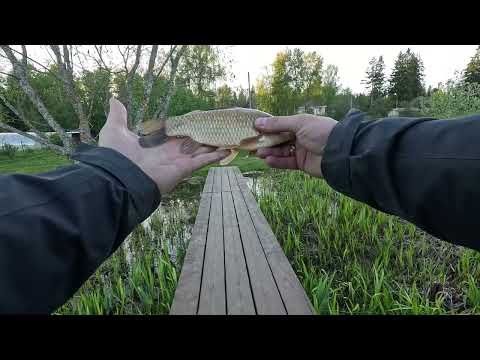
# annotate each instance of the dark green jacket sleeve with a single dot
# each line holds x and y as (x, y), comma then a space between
(57, 228)
(426, 171)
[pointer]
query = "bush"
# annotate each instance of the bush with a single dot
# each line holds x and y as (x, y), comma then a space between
(456, 99)
(55, 139)
(8, 150)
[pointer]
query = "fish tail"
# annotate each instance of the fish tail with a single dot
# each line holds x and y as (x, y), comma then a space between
(153, 133)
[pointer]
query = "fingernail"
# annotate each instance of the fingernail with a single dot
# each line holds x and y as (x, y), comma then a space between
(261, 122)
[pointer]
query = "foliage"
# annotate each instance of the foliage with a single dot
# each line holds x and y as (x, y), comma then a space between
(352, 259)
(472, 72)
(376, 78)
(406, 81)
(455, 99)
(55, 139)
(8, 150)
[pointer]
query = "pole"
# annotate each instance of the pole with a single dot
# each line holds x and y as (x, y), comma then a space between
(249, 92)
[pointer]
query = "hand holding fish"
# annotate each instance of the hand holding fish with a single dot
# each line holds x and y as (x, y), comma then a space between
(305, 153)
(166, 164)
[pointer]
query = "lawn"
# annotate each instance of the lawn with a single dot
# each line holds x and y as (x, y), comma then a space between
(31, 162)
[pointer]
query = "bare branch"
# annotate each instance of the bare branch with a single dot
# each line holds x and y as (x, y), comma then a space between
(24, 55)
(21, 73)
(22, 117)
(66, 72)
(147, 87)
(130, 78)
(159, 72)
(34, 138)
(36, 62)
(165, 103)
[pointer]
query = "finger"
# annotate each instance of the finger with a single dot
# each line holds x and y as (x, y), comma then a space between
(204, 150)
(277, 124)
(118, 114)
(209, 158)
(282, 162)
(282, 150)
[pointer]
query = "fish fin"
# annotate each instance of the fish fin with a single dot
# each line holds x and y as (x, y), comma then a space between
(189, 146)
(153, 139)
(229, 158)
(152, 126)
(249, 144)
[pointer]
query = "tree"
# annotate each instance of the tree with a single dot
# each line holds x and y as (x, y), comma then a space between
(406, 81)
(376, 78)
(472, 72)
(225, 97)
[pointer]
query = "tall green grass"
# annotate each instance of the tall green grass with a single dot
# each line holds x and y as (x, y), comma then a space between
(352, 259)
(141, 276)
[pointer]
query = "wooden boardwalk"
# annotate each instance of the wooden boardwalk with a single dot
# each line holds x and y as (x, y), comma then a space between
(234, 265)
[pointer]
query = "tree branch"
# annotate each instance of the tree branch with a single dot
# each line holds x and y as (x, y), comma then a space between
(147, 87)
(34, 138)
(21, 73)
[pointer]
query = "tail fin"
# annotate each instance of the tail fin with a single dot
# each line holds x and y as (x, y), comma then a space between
(152, 133)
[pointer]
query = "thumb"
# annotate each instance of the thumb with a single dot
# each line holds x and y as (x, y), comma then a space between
(277, 124)
(117, 115)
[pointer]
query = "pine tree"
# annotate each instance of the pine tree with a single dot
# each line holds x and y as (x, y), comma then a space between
(472, 72)
(376, 78)
(406, 81)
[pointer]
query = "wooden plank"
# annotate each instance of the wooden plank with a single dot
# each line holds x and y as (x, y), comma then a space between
(233, 179)
(239, 293)
(293, 295)
(265, 293)
(225, 179)
(209, 181)
(241, 180)
(187, 293)
(217, 180)
(212, 293)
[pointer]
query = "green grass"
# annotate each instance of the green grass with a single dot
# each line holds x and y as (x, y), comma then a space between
(352, 259)
(31, 162)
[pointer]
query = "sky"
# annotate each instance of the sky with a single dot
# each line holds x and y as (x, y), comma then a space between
(440, 61)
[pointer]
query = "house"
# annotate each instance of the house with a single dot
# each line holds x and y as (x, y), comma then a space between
(311, 107)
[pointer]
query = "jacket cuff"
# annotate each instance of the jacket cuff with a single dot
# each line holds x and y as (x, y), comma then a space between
(145, 193)
(335, 163)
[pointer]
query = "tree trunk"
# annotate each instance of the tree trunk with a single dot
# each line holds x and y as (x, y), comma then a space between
(66, 72)
(21, 72)
(147, 88)
(129, 85)
(164, 106)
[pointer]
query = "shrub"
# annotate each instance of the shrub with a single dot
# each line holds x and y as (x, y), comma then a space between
(55, 139)
(8, 150)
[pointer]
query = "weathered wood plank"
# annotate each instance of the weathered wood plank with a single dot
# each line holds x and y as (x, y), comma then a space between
(208, 181)
(217, 180)
(233, 179)
(239, 293)
(187, 293)
(293, 295)
(265, 293)
(212, 293)
(225, 180)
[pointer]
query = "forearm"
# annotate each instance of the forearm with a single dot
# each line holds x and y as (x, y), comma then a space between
(424, 170)
(57, 228)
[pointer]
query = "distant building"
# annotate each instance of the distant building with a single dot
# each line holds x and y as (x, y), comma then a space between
(311, 107)
(404, 112)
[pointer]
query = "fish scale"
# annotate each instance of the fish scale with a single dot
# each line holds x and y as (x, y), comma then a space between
(232, 129)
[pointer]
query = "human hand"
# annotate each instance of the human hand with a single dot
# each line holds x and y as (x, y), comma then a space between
(166, 164)
(306, 151)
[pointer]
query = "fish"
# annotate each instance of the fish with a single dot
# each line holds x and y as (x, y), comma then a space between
(225, 129)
